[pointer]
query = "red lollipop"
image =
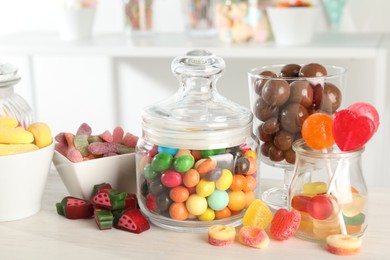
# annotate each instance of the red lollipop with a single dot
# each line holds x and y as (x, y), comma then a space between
(351, 130)
(367, 110)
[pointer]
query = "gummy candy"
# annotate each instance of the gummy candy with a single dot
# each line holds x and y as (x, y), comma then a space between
(253, 236)
(258, 214)
(84, 129)
(352, 131)
(133, 221)
(221, 235)
(285, 224)
(103, 218)
(315, 187)
(320, 207)
(317, 131)
(343, 244)
(74, 208)
(117, 135)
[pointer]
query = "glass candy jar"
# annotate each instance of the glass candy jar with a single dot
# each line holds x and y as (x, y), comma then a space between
(12, 104)
(197, 157)
(329, 190)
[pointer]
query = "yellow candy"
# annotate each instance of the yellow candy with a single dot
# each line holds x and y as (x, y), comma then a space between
(250, 153)
(315, 187)
(41, 133)
(258, 214)
(8, 121)
(196, 205)
(226, 179)
(9, 149)
(208, 215)
(17, 135)
(205, 188)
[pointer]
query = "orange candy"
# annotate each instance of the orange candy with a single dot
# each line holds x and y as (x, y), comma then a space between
(206, 166)
(178, 211)
(250, 183)
(317, 131)
(191, 178)
(237, 200)
(252, 166)
(179, 194)
(223, 213)
(239, 182)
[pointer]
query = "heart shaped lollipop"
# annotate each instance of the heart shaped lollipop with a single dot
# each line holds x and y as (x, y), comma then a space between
(365, 109)
(351, 130)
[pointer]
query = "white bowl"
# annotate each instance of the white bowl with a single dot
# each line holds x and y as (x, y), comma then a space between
(293, 25)
(79, 178)
(22, 182)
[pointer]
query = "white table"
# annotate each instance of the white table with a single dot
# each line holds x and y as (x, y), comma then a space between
(47, 235)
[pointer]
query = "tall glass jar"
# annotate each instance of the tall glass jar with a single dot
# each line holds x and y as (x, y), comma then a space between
(12, 104)
(197, 157)
(330, 192)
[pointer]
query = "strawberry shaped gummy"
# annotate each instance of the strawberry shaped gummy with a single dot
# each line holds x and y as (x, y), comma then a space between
(132, 220)
(285, 224)
(74, 208)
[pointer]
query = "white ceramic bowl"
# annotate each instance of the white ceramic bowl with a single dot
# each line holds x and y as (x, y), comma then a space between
(293, 25)
(79, 178)
(22, 182)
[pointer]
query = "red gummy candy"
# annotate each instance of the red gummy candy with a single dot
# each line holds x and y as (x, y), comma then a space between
(106, 136)
(285, 224)
(84, 129)
(102, 199)
(117, 135)
(320, 207)
(130, 140)
(133, 221)
(351, 131)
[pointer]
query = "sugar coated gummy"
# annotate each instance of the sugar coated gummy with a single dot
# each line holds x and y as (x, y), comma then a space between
(253, 237)
(221, 235)
(258, 214)
(343, 244)
(285, 224)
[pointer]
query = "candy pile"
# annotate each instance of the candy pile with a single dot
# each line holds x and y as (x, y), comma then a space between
(109, 207)
(84, 146)
(296, 3)
(15, 139)
(198, 184)
(257, 219)
(285, 100)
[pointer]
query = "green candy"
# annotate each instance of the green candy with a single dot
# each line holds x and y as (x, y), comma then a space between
(355, 220)
(149, 173)
(183, 163)
(208, 153)
(162, 162)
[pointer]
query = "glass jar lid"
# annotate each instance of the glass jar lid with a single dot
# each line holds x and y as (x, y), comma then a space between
(197, 116)
(8, 74)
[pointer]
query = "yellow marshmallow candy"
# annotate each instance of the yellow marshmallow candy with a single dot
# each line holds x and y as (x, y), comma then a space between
(42, 134)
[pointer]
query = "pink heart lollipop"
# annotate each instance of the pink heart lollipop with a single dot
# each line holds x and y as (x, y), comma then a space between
(351, 130)
(365, 109)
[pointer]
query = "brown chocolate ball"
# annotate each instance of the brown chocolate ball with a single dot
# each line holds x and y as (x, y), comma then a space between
(259, 83)
(292, 117)
(289, 155)
(313, 70)
(271, 126)
(276, 154)
(331, 98)
(275, 92)
(283, 140)
(263, 111)
(301, 92)
(264, 148)
(262, 135)
(290, 71)
(317, 97)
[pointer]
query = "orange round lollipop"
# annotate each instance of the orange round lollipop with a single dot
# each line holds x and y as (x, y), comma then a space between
(317, 131)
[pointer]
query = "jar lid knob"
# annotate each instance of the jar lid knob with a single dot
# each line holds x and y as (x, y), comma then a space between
(8, 74)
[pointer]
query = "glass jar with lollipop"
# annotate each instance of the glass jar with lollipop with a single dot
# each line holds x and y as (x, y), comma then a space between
(328, 187)
(282, 97)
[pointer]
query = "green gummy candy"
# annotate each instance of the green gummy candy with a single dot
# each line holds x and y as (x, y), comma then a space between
(81, 143)
(104, 218)
(355, 220)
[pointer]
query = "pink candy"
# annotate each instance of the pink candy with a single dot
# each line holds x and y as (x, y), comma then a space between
(85, 146)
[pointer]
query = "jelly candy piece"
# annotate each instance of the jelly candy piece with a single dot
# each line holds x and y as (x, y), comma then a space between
(17, 135)
(102, 199)
(74, 208)
(72, 153)
(315, 187)
(285, 224)
(355, 220)
(258, 214)
(355, 206)
(130, 140)
(94, 139)
(253, 236)
(101, 188)
(343, 244)
(117, 135)
(300, 202)
(133, 221)
(367, 110)
(81, 143)
(42, 134)
(352, 131)
(61, 148)
(317, 131)
(106, 136)
(84, 129)
(221, 235)
(103, 218)
(60, 138)
(320, 207)
(8, 121)
(108, 148)
(183, 163)
(162, 162)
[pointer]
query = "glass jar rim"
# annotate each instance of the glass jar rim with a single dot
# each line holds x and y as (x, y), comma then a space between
(301, 148)
(255, 72)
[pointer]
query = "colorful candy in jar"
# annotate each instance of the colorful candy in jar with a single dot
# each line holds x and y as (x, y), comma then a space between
(204, 185)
